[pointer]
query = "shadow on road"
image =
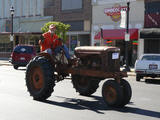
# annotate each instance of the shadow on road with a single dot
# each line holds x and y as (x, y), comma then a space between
(99, 106)
(79, 104)
(153, 81)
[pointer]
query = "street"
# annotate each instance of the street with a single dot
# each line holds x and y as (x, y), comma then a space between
(66, 104)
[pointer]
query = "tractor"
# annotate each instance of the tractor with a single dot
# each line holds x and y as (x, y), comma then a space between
(88, 68)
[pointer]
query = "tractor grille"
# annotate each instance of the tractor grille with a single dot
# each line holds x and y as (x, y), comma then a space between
(113, 64)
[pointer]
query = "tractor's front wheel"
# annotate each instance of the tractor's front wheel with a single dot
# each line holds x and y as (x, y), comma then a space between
(127, 92)
(40, 78)
(112, 93)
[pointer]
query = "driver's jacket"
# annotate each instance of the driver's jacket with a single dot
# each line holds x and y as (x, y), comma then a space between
(49, 41)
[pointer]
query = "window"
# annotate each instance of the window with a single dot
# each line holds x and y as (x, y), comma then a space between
(31, 7)
(6, 10)
(75, 25)
(23, 49)
(153, 57)
(24, 8)
(71, 4)
(8, 26)
(1, 11)
(49, 3)
(18, 8)
(38, 10)
(152, 11)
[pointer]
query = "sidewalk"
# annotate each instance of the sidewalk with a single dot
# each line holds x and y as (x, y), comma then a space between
(5, 62)
(132, 72)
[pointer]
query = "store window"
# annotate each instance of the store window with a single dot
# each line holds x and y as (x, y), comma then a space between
(151, 46)
(73, 43)
(5, 44)
(71, 4)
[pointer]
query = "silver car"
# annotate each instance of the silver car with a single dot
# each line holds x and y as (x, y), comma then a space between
(147, 66)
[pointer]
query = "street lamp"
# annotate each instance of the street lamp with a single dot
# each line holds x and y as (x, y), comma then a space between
(127, 38)
(12, 14)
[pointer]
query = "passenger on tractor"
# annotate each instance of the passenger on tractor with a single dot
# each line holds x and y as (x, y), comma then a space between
(51, 44)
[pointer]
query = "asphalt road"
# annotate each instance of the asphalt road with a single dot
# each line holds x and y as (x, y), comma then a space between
(66, 104)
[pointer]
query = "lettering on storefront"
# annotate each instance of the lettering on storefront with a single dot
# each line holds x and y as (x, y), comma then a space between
(115, 12)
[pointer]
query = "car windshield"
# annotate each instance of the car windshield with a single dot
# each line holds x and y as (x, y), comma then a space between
(153, 57)
(23, 49)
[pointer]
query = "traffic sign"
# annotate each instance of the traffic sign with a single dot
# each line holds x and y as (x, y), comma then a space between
(11, 37)
(127, 37)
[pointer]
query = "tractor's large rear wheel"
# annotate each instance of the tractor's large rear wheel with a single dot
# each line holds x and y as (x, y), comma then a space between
(85, 85)
(40, 78)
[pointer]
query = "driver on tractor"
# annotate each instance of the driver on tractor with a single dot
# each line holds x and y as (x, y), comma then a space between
(51, 44)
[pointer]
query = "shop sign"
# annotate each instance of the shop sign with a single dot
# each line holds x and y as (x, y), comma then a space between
(115, 12)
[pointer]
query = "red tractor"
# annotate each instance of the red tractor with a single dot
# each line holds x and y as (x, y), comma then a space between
(90, 66)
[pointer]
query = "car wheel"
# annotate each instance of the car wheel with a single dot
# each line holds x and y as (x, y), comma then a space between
(138, 78)
(15, 67)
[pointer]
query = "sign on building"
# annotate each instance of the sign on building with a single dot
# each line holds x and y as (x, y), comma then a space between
(115, 12)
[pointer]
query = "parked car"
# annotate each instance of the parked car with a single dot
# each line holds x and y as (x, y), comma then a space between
(147, 66)
(21, 55)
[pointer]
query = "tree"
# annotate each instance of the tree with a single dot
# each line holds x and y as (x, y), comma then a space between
(61, 29)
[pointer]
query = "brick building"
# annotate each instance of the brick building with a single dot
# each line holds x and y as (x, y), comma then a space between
(150, 35)
(78, 14)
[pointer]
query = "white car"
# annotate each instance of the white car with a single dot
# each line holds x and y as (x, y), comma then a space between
(147, 66)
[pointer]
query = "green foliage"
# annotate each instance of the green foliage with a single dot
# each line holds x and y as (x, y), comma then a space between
(61, 29)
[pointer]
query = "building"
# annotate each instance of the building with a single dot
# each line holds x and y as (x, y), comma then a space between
(150, 35)
(77, 13)
(27, 22)
(106, 21)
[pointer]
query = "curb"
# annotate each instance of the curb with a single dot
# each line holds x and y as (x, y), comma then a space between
(131, 74)
(3, 64)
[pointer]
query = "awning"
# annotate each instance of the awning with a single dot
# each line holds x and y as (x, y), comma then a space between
(150, 33)
(117, 34)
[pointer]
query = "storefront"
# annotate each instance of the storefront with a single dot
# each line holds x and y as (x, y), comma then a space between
(109, 38)
(75, 39)
(26, 31)
(6, 46)
(78, 34)
(107, 31)
(150, 35)
(151, 38)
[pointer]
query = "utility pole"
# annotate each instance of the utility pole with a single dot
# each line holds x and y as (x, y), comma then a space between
(127, 39)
